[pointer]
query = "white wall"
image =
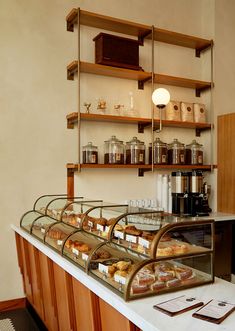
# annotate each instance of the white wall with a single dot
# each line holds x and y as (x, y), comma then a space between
(35, 98)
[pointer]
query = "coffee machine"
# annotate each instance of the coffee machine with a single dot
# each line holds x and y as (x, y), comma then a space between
(189, 194)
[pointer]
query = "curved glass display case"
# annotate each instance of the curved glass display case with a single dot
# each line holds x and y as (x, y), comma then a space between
(28, 218)
(52, 205)
(56, 235)
(134, 252)
(79, 247)
(73, 212)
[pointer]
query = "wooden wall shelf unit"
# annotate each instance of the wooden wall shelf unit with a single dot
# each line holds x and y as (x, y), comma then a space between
(140, 76)
(135, 29)
(142, 123)
(141, 32)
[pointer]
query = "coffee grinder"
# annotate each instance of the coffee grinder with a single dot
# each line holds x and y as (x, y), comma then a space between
(189, 194)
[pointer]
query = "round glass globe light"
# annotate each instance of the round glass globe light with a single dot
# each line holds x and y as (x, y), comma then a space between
(160, 97)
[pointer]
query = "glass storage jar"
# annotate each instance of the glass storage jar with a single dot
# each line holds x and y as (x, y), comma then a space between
(159, 152)
(176, 152)
(113, 151)
(90, 154)
(135, 151)
(194, 153)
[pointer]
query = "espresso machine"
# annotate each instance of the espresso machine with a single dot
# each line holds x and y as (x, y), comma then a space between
(189, 194)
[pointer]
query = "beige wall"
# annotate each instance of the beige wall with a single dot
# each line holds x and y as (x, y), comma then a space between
(35, 98)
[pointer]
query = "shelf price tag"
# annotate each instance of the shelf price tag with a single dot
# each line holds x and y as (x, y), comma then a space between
(75, 251)
(104, 269)
(107, 229)
(43, 230)
(90, 224)
(119, 279)
(119, 234)
(131, 239)
(84, 256)
(59, 242)
(100, 227)
(143, 242)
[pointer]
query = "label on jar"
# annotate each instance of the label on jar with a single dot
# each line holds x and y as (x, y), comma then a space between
(130, 238)
(99, 227)
(181, 158)
(104, 269)
(143, 242)
(200, 159)
(141, 157)
(163, 158)
(118, 157)
(75, 251)
(119, 279)
(119, 234)
(93, 158)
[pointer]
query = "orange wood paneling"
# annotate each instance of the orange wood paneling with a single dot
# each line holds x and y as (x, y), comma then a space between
(226, 163)
(111, 319)
(36, 280)
(48, 289)
(86, 308)
(26, 270)
(64, 300)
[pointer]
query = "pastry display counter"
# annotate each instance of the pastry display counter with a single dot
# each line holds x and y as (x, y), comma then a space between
(133, 251)
(89, 305)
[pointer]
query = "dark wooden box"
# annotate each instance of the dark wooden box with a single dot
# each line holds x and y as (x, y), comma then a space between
(117, 51)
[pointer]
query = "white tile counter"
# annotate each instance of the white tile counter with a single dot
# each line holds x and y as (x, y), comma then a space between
(140, 312)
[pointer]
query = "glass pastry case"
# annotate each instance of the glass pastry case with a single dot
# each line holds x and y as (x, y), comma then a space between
(40, 225)
(73, 212)
(56, 235)
(79, 246)
(135, 252)
(52, 205)
(28, 218)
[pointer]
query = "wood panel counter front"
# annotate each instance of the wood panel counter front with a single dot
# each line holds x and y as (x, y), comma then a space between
(68, 299)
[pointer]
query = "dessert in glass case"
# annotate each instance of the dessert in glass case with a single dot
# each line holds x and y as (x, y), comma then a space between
(80, 245)
(56, 235)
(41, 225)
(74, 212)
(98, 219)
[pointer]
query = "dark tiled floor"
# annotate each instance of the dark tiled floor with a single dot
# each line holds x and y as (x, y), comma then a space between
(22, 320)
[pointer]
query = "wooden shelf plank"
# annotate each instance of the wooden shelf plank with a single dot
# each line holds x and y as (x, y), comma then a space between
(73, 118)
(135, 29)
(180, 39)
(74, 167)
(98, 69)
(141, 76)
(181, 82)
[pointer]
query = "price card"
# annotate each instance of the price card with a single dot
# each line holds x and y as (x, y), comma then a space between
(216, 309)
(78, 219)
(100, 227)
(143, 242)
(90, 224)
(75, 251)
(107, 229)
(84, 256)
(119, 279)
(43, 230)
(178, 305)
(59, 242)
(119, 234)
(130, 238)
(104, 269)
